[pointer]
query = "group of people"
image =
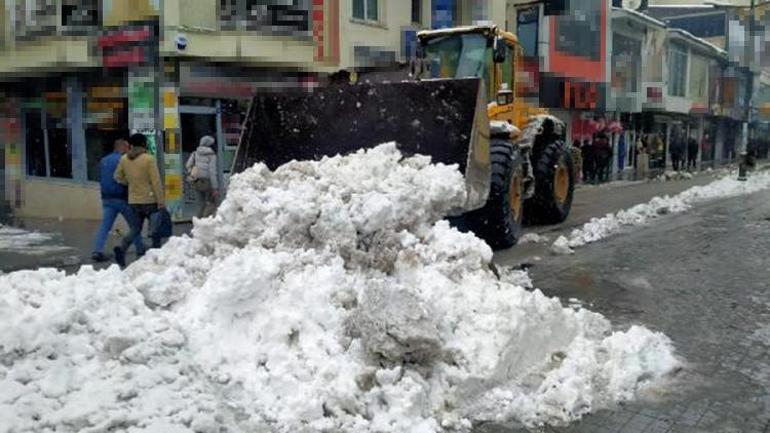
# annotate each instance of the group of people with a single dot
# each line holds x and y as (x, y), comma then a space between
(131, 186)
(596, 157)
(683, 149)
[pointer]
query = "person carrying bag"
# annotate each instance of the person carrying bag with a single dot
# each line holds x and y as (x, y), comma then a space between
(202, 175)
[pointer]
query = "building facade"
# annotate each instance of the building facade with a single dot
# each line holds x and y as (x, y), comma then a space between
(75, 75)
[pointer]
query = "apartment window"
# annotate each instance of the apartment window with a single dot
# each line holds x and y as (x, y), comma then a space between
(366, 10)
(626, 63)
(417, 11)
(80, 13)
(35, 18)
(677, 70)
(527, 27)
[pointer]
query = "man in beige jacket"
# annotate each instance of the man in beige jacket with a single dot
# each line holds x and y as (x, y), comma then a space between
(139, 171)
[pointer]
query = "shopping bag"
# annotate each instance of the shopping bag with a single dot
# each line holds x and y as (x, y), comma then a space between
(160, 224)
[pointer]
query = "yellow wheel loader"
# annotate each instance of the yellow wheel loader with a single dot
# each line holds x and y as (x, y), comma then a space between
(461, 110)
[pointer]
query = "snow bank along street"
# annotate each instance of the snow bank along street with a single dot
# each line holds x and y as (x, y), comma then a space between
(600, 228)
(324, 296)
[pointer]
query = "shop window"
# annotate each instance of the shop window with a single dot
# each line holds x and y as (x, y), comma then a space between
(366, 10)
(105, 120)
(35, 144)
(60, 153)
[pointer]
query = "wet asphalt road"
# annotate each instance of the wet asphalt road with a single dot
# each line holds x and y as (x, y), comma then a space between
(702, 278)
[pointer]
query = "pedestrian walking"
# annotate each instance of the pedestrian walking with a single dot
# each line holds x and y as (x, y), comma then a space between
(676, 150)
(692, 153)
(603, 152)
(114, 202)
(577, 158)
(642, 157)
(587, 151)
(139, 171)
(202, 174)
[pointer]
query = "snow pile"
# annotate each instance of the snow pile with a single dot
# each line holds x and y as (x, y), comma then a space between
(670, 175)
(600, 228)
(325, 296)
(533, 238)
(25, 242)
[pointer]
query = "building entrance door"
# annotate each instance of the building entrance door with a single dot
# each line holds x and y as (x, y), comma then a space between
(196, 122)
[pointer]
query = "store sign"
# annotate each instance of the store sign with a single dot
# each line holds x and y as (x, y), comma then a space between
(134, 45)
(654, 94)
(568, 94)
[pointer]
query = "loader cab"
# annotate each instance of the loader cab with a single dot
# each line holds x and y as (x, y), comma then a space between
(482, 52)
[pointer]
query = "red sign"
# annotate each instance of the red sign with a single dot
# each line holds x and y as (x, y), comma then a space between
(134, 45)
(125, 37)
(580, 96)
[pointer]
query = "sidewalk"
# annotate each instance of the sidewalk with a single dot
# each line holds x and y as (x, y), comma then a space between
(63, 244)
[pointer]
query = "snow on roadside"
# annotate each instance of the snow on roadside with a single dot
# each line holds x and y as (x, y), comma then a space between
(324, 296)
(21, 241)
(533, 238)
(600, 228)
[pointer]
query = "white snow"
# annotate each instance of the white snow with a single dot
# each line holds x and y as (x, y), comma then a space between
(25, 242)
(324, 296)
(600, 228)
(533, 238)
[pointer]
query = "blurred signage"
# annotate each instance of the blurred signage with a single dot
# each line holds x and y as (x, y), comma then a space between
(442, 14)
(133, 45)
(654, 94)
(579, 35)
(568, 94)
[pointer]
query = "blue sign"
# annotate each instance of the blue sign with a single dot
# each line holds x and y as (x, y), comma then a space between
(442, 13)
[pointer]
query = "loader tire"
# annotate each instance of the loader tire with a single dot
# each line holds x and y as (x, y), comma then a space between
(499, 221)
(554, 172)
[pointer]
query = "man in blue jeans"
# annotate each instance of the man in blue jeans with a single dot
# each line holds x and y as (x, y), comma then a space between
(114, 202)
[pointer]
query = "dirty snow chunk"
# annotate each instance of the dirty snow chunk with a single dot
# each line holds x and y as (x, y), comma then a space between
(323, 296)
(674, 175)
(562, 246)
(600, 228)
(533, 238)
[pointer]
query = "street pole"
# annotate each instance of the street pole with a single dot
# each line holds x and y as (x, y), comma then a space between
(743, 163)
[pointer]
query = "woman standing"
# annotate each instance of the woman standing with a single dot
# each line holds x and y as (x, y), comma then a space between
(202, 174)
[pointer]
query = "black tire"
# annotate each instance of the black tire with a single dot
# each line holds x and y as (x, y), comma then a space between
(496, 223)
(548, 206)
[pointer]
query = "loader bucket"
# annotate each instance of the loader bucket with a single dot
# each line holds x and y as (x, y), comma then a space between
(444, 119)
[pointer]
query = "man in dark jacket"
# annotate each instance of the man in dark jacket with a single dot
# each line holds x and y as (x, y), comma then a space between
(114, 202)
(692, 153)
